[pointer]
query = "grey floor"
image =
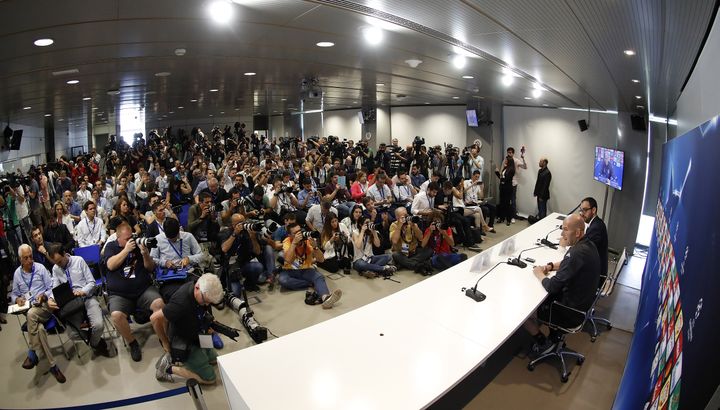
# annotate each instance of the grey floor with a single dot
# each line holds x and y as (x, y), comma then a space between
(102, 380)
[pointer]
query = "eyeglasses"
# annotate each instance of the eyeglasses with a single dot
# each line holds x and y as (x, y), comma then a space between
(583, 210)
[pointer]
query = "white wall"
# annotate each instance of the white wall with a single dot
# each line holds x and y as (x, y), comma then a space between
(439, 125)
(343, 124)
(312, 125)
(277, 126)
(555, 134)
(699, 100)
(32, 149)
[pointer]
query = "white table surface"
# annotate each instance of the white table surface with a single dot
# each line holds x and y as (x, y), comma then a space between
(403, 351)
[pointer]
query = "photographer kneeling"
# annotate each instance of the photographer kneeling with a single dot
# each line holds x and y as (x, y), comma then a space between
(439, 238)
(188, 316)
(299, 271)
(335, 240)
(406, 237)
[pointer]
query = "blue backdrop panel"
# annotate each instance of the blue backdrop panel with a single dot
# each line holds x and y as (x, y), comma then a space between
(673, 360)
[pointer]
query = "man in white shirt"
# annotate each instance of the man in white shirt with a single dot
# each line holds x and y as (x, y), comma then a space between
(74, 271)
(477, 163)
(175, 249)
(424, 202)
(433, 178)
(91, 229)
(403, 189)
(317, 215)
(83, 195)
(380, 192)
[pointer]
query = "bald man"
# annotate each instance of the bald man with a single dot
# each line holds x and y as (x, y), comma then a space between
(574, 285)
(542, 188)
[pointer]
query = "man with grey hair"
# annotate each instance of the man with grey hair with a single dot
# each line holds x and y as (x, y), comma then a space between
(186, 313)
(32, 284)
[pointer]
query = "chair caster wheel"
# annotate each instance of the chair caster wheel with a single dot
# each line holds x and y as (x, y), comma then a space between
(580, 361)
(530, 367)
(609, 327)
(564, 378)
(593, 338)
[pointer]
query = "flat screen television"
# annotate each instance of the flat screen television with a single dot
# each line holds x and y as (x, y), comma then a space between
(609, 164)
(471, 118)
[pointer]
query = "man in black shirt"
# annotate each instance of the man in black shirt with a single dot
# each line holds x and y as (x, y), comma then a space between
(542, 188)
(130, 287)
(240, 246)
(39, 248)
(191, 343)
(574, 285)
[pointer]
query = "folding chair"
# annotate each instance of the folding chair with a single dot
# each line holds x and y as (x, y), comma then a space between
(183, 215)
(52, 326)
(91, 255)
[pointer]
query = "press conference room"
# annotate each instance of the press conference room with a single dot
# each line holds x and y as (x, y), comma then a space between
(324, 204)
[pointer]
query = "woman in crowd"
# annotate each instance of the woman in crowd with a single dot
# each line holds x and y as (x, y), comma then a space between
(123, 212)
(335, 242)
(359, 187)
(352, 222)
(505, 209)
(365, 261)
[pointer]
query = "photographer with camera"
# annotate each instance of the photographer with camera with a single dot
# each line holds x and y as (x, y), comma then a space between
(298, 272)
(381, 193)
(335, 241)
(365, 261)
(308, 196)
(281, 200)
(240, 246)
(397, 157)
(232, 205)
(438, 237)
(189, 318)
(406, 237)
(202, 223)
(339, 196)
(403, 190)
(175, 253)
(130, 289)
(217, 193)
(453, 207)
(417, 178)
(382, 158)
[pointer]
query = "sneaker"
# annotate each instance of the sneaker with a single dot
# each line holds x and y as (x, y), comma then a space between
(164, 360)
(474, 248)
(58, 374)
(512, 220)
(492, 230)
(271, 282)
(217, 341)
(368, 274)
(135, 351)
(389, 270)
(311, 297)
(331, 299)
(346, 271)
(30, 361)
(102, 349)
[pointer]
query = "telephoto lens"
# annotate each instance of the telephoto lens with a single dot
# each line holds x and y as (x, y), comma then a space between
(311, 234)
(253, 226)
(415, 219)
(146, 242)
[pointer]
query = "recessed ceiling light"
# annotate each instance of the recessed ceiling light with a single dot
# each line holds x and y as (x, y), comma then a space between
(545, 105)
(536, 93)
(26, 108)
(214, 90)
(427, 102)
(413, 62)
(635, 81)
(283, 99)
(193, 100)
(87, 98)
(380, 84)
(638, 96)
(48, 115)
(171, 112)
(180, 107)
(180, 52)
(222, 112)
(456, 98)
(468, 77)
(325, 44)
(220, 11)
(458, 60)
(237, 109)
(507, 80)
(640, 106)
(73, 82)
(43, 42)
(162, 74)
(528, 98)
(210, 115)
(61, 119)
(629, 52)
(249, 73)
(372, 35)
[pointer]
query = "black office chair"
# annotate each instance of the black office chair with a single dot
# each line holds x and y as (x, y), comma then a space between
(606, 290)
(560, 351)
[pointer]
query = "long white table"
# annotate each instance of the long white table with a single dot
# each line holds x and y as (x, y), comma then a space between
(401, 352)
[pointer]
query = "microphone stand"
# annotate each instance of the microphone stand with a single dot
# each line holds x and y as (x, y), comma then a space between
(475, 294)
(547, 242)
(518, 261)
(575, 209)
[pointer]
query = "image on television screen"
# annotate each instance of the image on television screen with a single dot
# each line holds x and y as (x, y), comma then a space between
(609, 165)
(471, 118)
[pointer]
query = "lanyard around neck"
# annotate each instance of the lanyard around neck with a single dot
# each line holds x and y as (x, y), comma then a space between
(179, 253)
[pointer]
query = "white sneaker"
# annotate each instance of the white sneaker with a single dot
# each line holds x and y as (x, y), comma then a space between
(512, 221)
(332, 299)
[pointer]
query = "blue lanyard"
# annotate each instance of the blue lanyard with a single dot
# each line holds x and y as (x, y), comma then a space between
(67, 273)
(32, 276)
(92, 231)
(382, 191)
(175, 249)
(159, 226)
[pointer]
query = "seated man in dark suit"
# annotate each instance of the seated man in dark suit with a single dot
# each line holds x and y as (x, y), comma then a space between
(574, 285)
(596, 231)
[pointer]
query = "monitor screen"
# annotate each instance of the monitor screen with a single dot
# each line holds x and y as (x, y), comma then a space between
(609, 164)
(471, 118)
(361, 118)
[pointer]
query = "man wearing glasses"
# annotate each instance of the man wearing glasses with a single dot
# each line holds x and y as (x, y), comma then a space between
(91, 229)
(187, 313)
(596, 231)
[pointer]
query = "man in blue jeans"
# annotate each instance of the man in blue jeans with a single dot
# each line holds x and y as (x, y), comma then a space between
(299, 271)
(241, 247)
(364, 261)
(439, 238)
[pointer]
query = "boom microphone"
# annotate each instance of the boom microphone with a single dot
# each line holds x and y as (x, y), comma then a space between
(549, 243)
(518, 261)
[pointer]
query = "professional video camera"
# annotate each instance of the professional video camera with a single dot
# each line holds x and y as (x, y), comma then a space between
(146, 242)
(257, 333)
(417, 143)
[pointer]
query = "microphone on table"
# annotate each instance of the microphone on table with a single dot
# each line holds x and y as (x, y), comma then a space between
(475, 294)
(549, 243)
(518, 261)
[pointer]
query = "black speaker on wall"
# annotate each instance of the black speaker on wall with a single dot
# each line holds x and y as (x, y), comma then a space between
(583, 125)
(16, 140)
(261, 122)
(638, 123)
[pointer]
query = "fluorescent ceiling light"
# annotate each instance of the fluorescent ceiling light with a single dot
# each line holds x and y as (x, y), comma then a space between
(180, 52)
(43, 42)
(528, 98)
(456, 98)
(73, 82)
(64, 72)
(214, 90)
(372, 35)
(27, 108)
(303, 112)
(283, 99)
(427, 102)
(629, 52)
(635, 81)
(221, 11)
(380, 84)
(458, 61)
(468, 77)
(662, 120)
(249, 73)
(545, 105)
(507, 80)
(180, 107)
(87, 98)
(48, 115)
(325, 44)
(585, 110)
(162, 74)
(193, 100)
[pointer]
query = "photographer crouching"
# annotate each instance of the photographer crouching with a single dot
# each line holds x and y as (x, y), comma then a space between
(189, 318)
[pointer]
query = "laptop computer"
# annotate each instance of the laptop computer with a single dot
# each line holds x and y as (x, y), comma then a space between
(63, 294)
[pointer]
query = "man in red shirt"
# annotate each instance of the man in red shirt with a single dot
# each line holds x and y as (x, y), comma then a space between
(439, 238)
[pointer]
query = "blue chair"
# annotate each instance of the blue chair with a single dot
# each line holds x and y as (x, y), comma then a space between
(91, 255)
(183, 215)
(52, 326)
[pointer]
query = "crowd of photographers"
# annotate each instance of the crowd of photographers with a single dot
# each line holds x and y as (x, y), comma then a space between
(188, 221)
